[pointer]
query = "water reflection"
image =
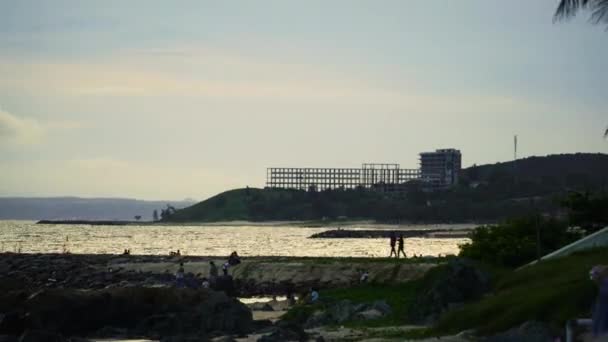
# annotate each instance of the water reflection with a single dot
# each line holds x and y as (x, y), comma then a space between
(205, 240)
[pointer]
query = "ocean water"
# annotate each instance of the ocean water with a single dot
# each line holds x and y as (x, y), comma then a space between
(248, 240)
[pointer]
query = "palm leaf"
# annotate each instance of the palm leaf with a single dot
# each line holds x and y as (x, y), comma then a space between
(568, 9)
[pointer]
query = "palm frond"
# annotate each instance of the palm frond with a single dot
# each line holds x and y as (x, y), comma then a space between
(600, 11)
(606, 133)
(567, 9)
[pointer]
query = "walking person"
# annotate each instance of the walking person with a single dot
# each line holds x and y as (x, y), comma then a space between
(393, 242)
(401, 250)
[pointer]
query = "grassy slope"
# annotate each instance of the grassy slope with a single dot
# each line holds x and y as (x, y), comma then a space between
(229, 205)
(552, 291)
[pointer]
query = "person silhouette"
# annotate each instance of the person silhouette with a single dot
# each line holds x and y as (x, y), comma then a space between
(393, 240)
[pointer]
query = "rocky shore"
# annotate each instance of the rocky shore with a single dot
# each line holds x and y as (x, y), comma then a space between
(56, 296)
(254, 276)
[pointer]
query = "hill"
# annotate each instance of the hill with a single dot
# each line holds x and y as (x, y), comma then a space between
(571, 171)
(487, 193)
(64, 208)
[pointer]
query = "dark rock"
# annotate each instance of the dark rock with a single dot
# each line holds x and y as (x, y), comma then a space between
(368, 315)
(158, 311)
(260, 325)
(12, 323)
(261, 307)
(530, 331)
(457, 282)
(223, 339)
(186, 338)
(40, 336)
(285, 331)
(160, 325)
(345, 310)
(225, 284)
(9, 338)
(381, 306)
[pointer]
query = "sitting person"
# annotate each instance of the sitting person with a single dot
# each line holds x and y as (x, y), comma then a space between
(225, 268)
(364, 277)
(234, 259)
(314, 295)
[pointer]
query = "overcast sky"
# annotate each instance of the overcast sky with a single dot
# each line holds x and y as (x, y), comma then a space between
(176, 99)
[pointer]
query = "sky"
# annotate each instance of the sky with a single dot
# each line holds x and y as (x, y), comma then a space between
(185, 99)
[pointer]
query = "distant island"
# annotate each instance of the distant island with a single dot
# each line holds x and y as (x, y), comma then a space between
(76, 208)
(486, 193)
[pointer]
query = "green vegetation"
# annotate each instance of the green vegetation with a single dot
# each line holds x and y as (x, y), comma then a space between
(487, 193)
(514, 242)
(399, 297)
(551, 291)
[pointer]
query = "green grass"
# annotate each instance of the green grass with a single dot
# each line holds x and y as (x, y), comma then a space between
(552, 291)
(397, 296)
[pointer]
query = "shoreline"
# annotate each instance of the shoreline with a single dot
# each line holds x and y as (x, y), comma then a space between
(255, 276)
(296, 223)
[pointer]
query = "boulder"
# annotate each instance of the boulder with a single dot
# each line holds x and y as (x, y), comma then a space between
(368, 315)
(11, 323)
(382, 306)
(345, 310)
(9, 338)
(457, 282)
(530, 331)
(159, 311)
(285, 331)
(40, 336)
(261, 307)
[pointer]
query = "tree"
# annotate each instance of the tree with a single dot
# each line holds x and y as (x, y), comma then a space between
(137, 217)
(155, 215)
(568, 9)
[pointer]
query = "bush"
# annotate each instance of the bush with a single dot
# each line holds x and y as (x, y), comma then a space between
(514, 242)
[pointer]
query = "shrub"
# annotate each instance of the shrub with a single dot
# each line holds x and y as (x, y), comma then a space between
(514, 242)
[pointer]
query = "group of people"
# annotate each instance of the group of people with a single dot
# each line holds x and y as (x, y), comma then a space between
(393, 242)
(209, 281)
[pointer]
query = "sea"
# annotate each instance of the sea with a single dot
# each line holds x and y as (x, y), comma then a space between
(215, 240)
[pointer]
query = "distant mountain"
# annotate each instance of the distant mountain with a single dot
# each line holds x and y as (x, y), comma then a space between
(67, 208)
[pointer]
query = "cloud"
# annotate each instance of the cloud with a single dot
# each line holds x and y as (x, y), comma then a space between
(19, 130)
(27, 131)
(114, 177)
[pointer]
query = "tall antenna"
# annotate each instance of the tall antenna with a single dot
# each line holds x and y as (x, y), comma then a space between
(515, 147)
(515, 158)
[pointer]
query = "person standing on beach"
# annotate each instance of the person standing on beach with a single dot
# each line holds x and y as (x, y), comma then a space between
(401, 250)
(393, 241)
